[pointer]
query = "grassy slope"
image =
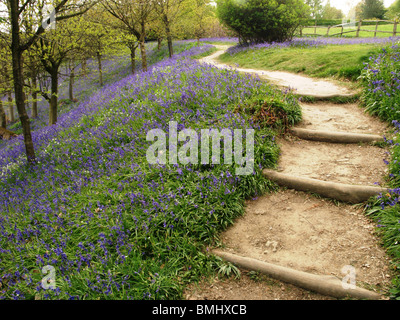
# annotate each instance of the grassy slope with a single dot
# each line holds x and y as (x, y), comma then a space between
(381, 97)
(341, 61)
(113, 226)
(114, 67)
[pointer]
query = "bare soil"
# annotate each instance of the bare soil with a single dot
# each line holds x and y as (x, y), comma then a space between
(306, 232)
(248, 287)
(343, 163)
(302, 84)
(340, 117)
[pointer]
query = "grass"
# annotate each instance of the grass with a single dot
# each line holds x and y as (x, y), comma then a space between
(114, 67)
(338, 61)
(112, 225)
(115, 227)
(381, 84)
(381, 97)
(388, 28)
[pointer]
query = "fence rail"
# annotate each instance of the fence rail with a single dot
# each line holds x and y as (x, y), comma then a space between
(356, 27)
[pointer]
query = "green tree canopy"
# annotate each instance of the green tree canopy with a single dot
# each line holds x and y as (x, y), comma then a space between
(262, 20)
(372, 9)
(331, 13)
(315, 8)
(394, 10)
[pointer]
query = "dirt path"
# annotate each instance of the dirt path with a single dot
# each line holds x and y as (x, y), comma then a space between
(304, 85)
(303, 231)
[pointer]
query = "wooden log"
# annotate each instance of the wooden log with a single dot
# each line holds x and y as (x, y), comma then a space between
(313, 34)
(378, 31)
(335, 137)
(333, 190)
(327, 32)
(341, 33)
(358, 28)
(327, 285)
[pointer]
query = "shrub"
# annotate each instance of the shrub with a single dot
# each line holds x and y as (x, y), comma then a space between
(257, 21)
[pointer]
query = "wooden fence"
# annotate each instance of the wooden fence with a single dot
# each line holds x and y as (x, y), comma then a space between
(357, 27)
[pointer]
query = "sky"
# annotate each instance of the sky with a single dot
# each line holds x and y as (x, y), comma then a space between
(346, 5)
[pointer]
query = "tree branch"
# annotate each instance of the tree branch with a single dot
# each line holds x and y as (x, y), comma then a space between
(23, 6)
(57, 9)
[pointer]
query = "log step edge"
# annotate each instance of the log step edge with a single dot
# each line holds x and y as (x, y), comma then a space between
(326, 285)
(339, 191)
(335, 137)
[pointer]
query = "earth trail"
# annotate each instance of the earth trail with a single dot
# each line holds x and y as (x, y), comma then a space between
(300, 230)
(304, 85)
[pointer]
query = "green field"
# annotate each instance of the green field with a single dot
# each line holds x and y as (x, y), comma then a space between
(322, 31)
(339, 61)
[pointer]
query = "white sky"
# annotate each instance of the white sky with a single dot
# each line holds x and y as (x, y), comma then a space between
(346, 5)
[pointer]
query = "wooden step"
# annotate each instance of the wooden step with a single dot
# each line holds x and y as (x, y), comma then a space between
(333, 190)
(335, 137)
(327, 285)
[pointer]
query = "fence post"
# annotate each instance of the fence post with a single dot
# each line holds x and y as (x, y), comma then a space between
(376, 28)
(327, 32)
(341, 32)
(395, 28)
(358, 29)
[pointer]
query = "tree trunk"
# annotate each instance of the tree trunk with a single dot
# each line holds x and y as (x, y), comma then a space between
(3, 120)
(26, 101)
(159, 40)
(18, 76)
(170, 48)
(54, 97)
(11, 106)
(84, 68)
(100, 68)
(34, 97)
(143, 48)
(71, 84)
(169, 36)
(133, 57)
